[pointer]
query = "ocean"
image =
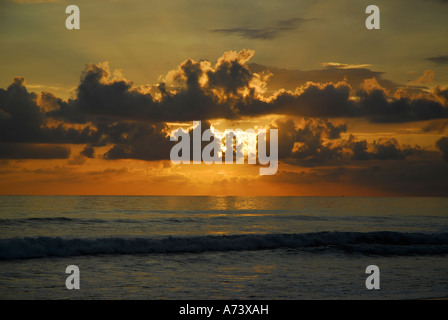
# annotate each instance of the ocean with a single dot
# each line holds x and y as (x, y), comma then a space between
(167, 247)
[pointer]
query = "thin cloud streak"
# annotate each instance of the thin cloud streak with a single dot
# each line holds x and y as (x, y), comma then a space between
(264, 33)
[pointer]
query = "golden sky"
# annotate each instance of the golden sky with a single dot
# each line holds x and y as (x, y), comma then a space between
(358, 112)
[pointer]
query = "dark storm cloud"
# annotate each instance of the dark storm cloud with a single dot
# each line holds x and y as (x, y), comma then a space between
(264, 33)
(439, 59)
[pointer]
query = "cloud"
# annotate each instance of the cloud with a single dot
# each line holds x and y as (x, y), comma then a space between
(23, 120)
(33, 151)
(77, 160)
(441, 94)
(88, 152)
(319, 142)
(426, 78)
(397, 178)
(307, 142)
(142, 142)
(353, 75)
(310, 100)
(442, 144)
(378, 106)
(108, 110)
(230, 89)
(148, 142)
(231, 73)
(264, 33)
(388, 149)
(436, 126)
(193, 91)
(360, 92)
(439, 59)
(344, 66)
(334, 100)
(22, 117)
(100, 97)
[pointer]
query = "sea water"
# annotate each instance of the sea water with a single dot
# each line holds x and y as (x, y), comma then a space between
(151, 247)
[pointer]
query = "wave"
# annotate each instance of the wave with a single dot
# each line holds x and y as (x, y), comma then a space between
(370, 243)
(35, 219)
(60, 220)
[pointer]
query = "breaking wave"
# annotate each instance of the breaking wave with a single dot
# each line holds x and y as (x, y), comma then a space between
(368, 243)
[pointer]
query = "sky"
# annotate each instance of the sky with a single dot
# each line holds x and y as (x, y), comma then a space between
(359, 112)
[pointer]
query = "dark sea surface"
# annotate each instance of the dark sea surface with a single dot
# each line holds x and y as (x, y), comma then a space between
(150, 247)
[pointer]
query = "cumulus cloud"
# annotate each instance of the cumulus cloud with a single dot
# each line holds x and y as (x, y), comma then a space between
(319, 141)
(101, 95)
(109, 110)
(377, 106)
(200, 93)
(310, 100)
(307, 142)
(230, 89)
(23, 120)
